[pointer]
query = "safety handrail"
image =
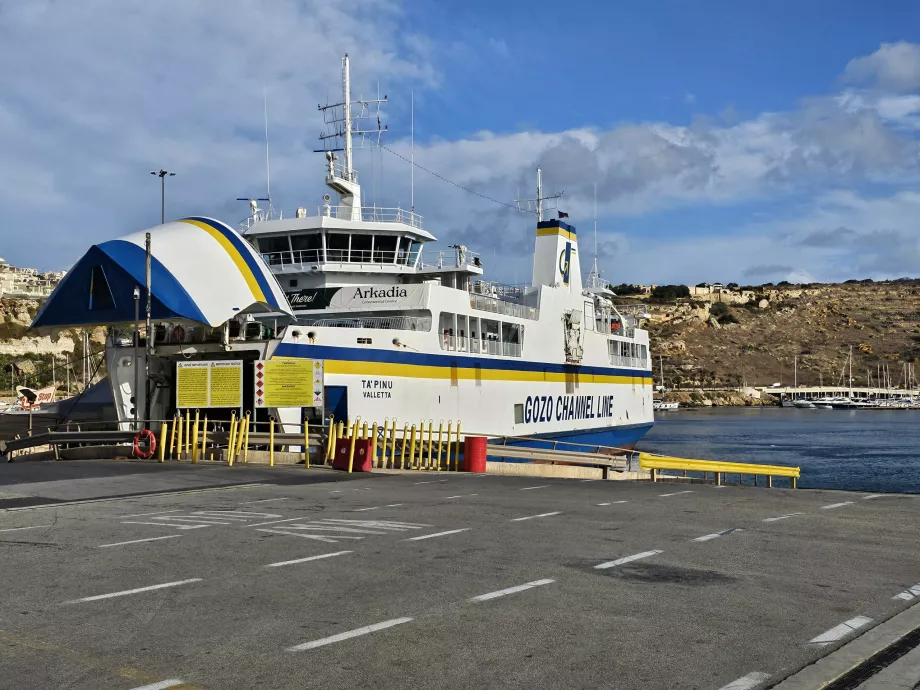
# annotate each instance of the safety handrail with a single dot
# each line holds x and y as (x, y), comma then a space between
(653, 463)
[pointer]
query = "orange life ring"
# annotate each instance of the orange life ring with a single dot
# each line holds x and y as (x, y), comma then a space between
(151, 444)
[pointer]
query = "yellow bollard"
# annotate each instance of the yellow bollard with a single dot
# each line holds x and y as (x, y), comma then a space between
(393, 444)
(348, 428)
(364, 431)
(188, 424)
(412, 450)
(204, 438)
(339, 430)
(179, 436)
(450, 430)
(271, 441)
(306, 445)
(374, 445)
(351, 451)
(195, 440)
(429, 461)
(231, 439)
(457, 450)
(385, 437)
(440, 443)
(402, 450)
(172, 436)
(330, 451)
(241, 430)
(164, 430)
(246, 440)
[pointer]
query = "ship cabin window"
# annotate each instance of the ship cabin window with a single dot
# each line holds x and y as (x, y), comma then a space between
(361, 246)
(511, 339)
(385, 249)
(307, 248)
(462, 333)
(337, 246)
(364, 341)
(415, 248)
(275, 250)
(627, 354)
(402, 250)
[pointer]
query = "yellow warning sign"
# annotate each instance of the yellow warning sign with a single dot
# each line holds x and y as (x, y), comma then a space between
(226, 385)
(192, 384)
(209, 383)
(289, 383)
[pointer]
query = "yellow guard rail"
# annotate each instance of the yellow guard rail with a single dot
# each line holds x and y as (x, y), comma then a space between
(648, 461)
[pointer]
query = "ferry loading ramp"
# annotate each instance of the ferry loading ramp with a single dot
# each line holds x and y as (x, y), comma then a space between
(128, 575)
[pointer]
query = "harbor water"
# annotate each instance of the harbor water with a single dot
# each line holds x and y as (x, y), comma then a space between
(860, 450)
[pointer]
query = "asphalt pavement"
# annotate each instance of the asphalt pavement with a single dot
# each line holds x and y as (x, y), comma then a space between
(129, 575)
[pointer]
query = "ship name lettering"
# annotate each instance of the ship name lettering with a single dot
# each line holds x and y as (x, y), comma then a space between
(541, 408)
(380, 293)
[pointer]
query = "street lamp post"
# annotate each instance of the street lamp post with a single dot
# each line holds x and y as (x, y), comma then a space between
(162, 174)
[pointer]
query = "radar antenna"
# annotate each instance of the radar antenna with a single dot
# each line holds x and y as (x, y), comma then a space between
(538, 204)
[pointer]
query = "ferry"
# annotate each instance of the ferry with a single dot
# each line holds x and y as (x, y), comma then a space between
(403, 332)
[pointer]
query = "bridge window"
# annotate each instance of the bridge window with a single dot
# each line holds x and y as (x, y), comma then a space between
(336, 246)
(308, 248)
(385, 249)
(275, 250)
(415, 248)
(361, 246)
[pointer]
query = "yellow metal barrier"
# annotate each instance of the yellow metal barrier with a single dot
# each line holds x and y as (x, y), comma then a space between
(195, 438)
(164, 429)
(654, 463)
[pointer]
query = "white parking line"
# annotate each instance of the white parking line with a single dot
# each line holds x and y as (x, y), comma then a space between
(908, 594)
(361, 510)
(438, 534)
(162, 685)
(430, 481)
(348, 635)
(308, 558)
(716, 535)
(462, 496)
(16, 529)
(134, 591)
(265, 500)
(870, 496)
(531, 488)
(162, 512)
(781, 517)
(626, 559)
(747, 682)
(612, 503)
(676, 493)
(392, 505)
(274, 522)
(138, 541)
(200, 520)
(512, 590)
(165, 524)
(531, 517)
(836, 505)
(839, 631)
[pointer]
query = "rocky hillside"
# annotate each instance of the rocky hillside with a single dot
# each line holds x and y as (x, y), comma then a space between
(26, 359)
(752, 337)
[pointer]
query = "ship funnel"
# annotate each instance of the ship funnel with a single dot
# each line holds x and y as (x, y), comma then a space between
(555, 258)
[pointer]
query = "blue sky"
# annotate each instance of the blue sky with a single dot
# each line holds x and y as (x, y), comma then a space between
(729, 141)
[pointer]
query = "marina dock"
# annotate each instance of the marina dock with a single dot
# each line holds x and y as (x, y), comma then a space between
(139, 575)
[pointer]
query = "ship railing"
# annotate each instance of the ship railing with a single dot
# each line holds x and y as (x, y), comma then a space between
(452, 343)
(302, 257)
(400, 323)
(371, 214)
(497, 306)
(458, 258)
(633, 362)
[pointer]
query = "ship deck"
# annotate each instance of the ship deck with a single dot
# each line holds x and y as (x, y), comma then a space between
(287, 577)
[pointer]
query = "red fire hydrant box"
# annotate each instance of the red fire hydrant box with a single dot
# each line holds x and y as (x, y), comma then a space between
(362, 457)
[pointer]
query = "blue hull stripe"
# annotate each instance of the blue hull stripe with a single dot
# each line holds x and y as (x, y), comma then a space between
(386, 356)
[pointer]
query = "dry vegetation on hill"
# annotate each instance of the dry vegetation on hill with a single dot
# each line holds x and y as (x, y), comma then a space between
(706, 342)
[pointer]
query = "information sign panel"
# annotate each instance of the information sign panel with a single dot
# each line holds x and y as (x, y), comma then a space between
(289, 382)
(217, 383)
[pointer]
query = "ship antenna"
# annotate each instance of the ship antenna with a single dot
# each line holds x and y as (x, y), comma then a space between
(412, 155)
(595, 228)
(268, 170)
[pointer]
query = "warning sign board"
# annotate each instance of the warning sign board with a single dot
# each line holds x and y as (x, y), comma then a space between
(289, 383)
(209, 383)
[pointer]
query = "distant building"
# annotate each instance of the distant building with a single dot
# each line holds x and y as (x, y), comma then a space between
(26, 283)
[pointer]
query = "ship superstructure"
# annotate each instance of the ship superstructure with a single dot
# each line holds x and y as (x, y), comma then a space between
(410, 334)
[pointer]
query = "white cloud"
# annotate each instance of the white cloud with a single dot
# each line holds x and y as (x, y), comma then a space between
(894, 66)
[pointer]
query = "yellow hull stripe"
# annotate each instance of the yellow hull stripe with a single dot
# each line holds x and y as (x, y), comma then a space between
(544, 232)
(422, 371)
(234, 254)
